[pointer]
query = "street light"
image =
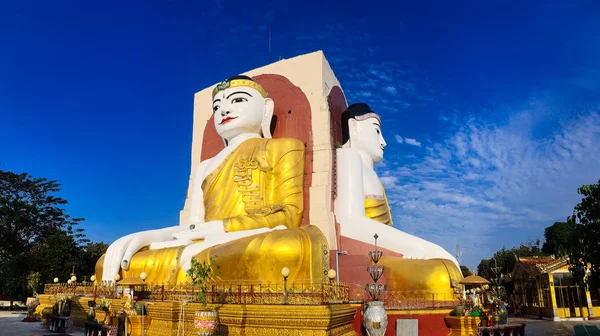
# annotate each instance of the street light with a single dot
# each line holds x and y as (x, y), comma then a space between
(337, 264)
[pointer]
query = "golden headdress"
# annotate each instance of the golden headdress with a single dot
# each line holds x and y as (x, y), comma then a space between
(239, 81)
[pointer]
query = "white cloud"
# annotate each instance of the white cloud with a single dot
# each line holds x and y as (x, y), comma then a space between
(390, 89)
(407, 141)
(389, 181)
(412, 142)
(364, 94)
(487, 177)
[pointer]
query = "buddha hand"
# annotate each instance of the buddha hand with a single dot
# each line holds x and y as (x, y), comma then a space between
(120, 252)
(200, 231)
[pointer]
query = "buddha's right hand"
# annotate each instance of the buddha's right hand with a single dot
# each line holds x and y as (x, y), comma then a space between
(113, 257)
(120, 252)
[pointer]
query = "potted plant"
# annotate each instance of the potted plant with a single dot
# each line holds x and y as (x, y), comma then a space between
(91, 315)
(202, 274)
(476, 311)
(104, 306)
(66, 307)
(33, 282)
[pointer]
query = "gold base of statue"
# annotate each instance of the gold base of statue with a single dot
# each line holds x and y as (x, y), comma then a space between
(79, 307)
(234, 319)
(164, 317)
(463, 325)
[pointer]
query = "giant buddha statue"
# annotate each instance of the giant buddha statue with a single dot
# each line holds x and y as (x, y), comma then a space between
(252, 198)
(362, 209)
(246, 205)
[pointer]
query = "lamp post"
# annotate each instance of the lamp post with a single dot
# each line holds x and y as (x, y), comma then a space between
(332, 274)
(375, 318)
(337, 264)
(285, 272)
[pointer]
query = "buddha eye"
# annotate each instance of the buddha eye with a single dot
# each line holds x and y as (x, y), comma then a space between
(239, 100)
(215, 108)
(378, 132)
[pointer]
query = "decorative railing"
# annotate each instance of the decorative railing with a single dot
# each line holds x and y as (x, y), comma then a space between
(86, 289)
(410, 299)
(238, 292)
(297, 293)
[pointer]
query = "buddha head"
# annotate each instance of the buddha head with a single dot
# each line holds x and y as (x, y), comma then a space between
(361, 130)
(240, 105)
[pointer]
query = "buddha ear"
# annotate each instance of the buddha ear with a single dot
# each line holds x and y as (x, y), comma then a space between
(267, 117)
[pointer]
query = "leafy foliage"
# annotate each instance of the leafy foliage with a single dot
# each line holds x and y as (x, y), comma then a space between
(585, 246)
(33, 282)
(505, 259)
(465, 271)
(559, 237)
(37, 236)
(202, 273)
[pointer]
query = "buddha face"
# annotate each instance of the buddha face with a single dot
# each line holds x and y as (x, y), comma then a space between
(366, 136)
(240, 110)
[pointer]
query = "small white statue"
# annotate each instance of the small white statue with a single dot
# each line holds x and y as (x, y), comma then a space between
(475, 298)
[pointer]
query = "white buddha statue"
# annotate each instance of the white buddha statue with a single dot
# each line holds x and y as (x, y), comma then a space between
(242, 202)
(362, 209)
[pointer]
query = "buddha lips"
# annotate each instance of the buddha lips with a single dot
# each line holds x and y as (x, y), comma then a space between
(226, 120)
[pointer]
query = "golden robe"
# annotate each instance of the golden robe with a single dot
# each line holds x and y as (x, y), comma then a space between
(378, 209)
(431, 279)
(259, 185)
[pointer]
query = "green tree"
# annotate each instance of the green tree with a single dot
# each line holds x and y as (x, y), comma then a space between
(33, 282)
(202, 274)
(559, 238)
(585, 246)
(36, 233)
(465, 271)
(506, 259)
(484, 269)
(89, 256)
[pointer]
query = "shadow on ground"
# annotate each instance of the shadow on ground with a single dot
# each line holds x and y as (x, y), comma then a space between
(550, 328)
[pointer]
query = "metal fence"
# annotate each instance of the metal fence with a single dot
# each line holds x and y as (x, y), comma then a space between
(238, 292)
(247, 292)
(409, 299)
(300, 293)
(84, 289)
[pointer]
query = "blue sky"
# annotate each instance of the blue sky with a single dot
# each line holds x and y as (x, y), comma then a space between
(490, 110)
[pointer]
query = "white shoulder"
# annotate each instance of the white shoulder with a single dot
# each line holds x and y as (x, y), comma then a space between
(202, 166)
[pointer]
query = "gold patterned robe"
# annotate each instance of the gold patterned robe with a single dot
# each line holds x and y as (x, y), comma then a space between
(378, 209)
(259, 185)
(431, 279)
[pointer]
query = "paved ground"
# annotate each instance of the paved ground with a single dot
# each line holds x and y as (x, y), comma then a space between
(550, 328)
(10, 324)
